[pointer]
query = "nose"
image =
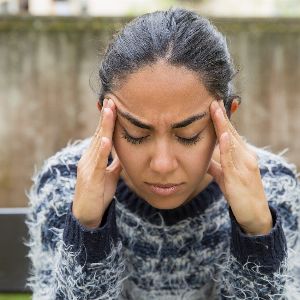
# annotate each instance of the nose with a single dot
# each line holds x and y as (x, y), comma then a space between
(163, 159)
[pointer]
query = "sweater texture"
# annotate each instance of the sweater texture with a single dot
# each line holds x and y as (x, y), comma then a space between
(195, 251)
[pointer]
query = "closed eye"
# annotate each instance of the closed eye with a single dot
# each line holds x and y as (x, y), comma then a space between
(139, 140)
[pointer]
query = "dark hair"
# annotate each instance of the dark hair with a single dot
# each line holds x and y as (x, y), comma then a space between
(180, 37)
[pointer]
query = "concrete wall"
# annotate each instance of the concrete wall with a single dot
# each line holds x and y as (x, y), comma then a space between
(46, 99)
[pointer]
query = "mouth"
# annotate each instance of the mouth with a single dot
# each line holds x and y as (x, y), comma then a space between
(167, 185)
(164, 189)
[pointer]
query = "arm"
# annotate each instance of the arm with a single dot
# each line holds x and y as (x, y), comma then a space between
(265, 266)
(255, 266)
(69, 261)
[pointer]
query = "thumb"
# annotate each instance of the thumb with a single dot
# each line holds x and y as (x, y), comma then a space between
(115, 167)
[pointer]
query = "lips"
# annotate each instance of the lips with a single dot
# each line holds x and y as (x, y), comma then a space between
(167, 189)
(168, 185)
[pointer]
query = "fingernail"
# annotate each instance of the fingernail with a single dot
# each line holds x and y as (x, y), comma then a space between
(225, 137)
(106, 110)
(105, 102)
(110, 103)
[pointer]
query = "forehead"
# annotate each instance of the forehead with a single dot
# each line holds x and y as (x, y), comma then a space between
(162, 91)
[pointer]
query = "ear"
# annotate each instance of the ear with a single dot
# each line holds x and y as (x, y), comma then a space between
(234, 106)
(99, 106)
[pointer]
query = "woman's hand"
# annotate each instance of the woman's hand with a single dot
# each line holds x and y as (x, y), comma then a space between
(96, 183)
(238, 176)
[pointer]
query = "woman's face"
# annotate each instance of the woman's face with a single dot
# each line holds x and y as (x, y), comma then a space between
(164, 150)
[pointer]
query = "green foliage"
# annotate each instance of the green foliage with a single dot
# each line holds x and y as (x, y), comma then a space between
(10, 296)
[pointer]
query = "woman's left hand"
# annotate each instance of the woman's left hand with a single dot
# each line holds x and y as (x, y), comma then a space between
(238, 176)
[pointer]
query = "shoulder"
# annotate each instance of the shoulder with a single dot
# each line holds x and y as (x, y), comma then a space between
(53, 187)
(272, 164)
(280, 178)
(62, 164)
(282, 187)
(51, 193)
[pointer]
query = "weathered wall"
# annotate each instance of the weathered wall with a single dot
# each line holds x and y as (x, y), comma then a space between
(46, 99)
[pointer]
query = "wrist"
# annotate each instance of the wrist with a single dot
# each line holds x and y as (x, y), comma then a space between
(262, 227)
(88, 224)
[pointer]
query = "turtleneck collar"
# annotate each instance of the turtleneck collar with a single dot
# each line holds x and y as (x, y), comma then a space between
(141, 207)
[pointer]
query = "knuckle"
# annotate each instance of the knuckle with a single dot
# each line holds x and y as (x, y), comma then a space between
(254, 154)
(228, 163)
(252, 163)
(251, 151)
(100, 162)
(244, 178)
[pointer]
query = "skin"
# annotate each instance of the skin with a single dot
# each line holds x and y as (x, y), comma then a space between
(161, 95)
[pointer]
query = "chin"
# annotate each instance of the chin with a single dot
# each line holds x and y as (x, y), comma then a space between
(166, 204)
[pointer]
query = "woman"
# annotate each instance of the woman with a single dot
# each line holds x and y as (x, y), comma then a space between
(166, 200)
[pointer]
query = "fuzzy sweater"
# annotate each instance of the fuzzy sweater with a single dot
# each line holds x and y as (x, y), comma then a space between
(195, 251)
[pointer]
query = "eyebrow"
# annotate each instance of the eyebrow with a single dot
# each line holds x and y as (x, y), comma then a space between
(180, 124)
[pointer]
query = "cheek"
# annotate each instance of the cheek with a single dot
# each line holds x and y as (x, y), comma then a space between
(197, 158)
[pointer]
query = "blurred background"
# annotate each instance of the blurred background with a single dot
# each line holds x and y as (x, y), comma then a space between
(49, 57)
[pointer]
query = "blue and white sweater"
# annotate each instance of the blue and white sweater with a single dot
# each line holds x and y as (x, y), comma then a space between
(195, 251)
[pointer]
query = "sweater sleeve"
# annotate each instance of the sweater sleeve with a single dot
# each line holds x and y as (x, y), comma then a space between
(93, 245)
(69, 261)
(267, 266)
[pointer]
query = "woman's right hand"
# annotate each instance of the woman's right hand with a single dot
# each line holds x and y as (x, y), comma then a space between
(96, 183)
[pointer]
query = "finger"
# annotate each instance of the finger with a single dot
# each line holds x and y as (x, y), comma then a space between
(106, 111)
(96, 140)
(115, 165)
(241, 140)
(96, 147)
(216, 153)
(220, 104)
(230, 126)
(108, 122)
(95, 136)
(222, 126)
(239, 152)
(215, 170)
(102, 155)
(226, 154)
(107, 128)
(219, 120)
(91, 152)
